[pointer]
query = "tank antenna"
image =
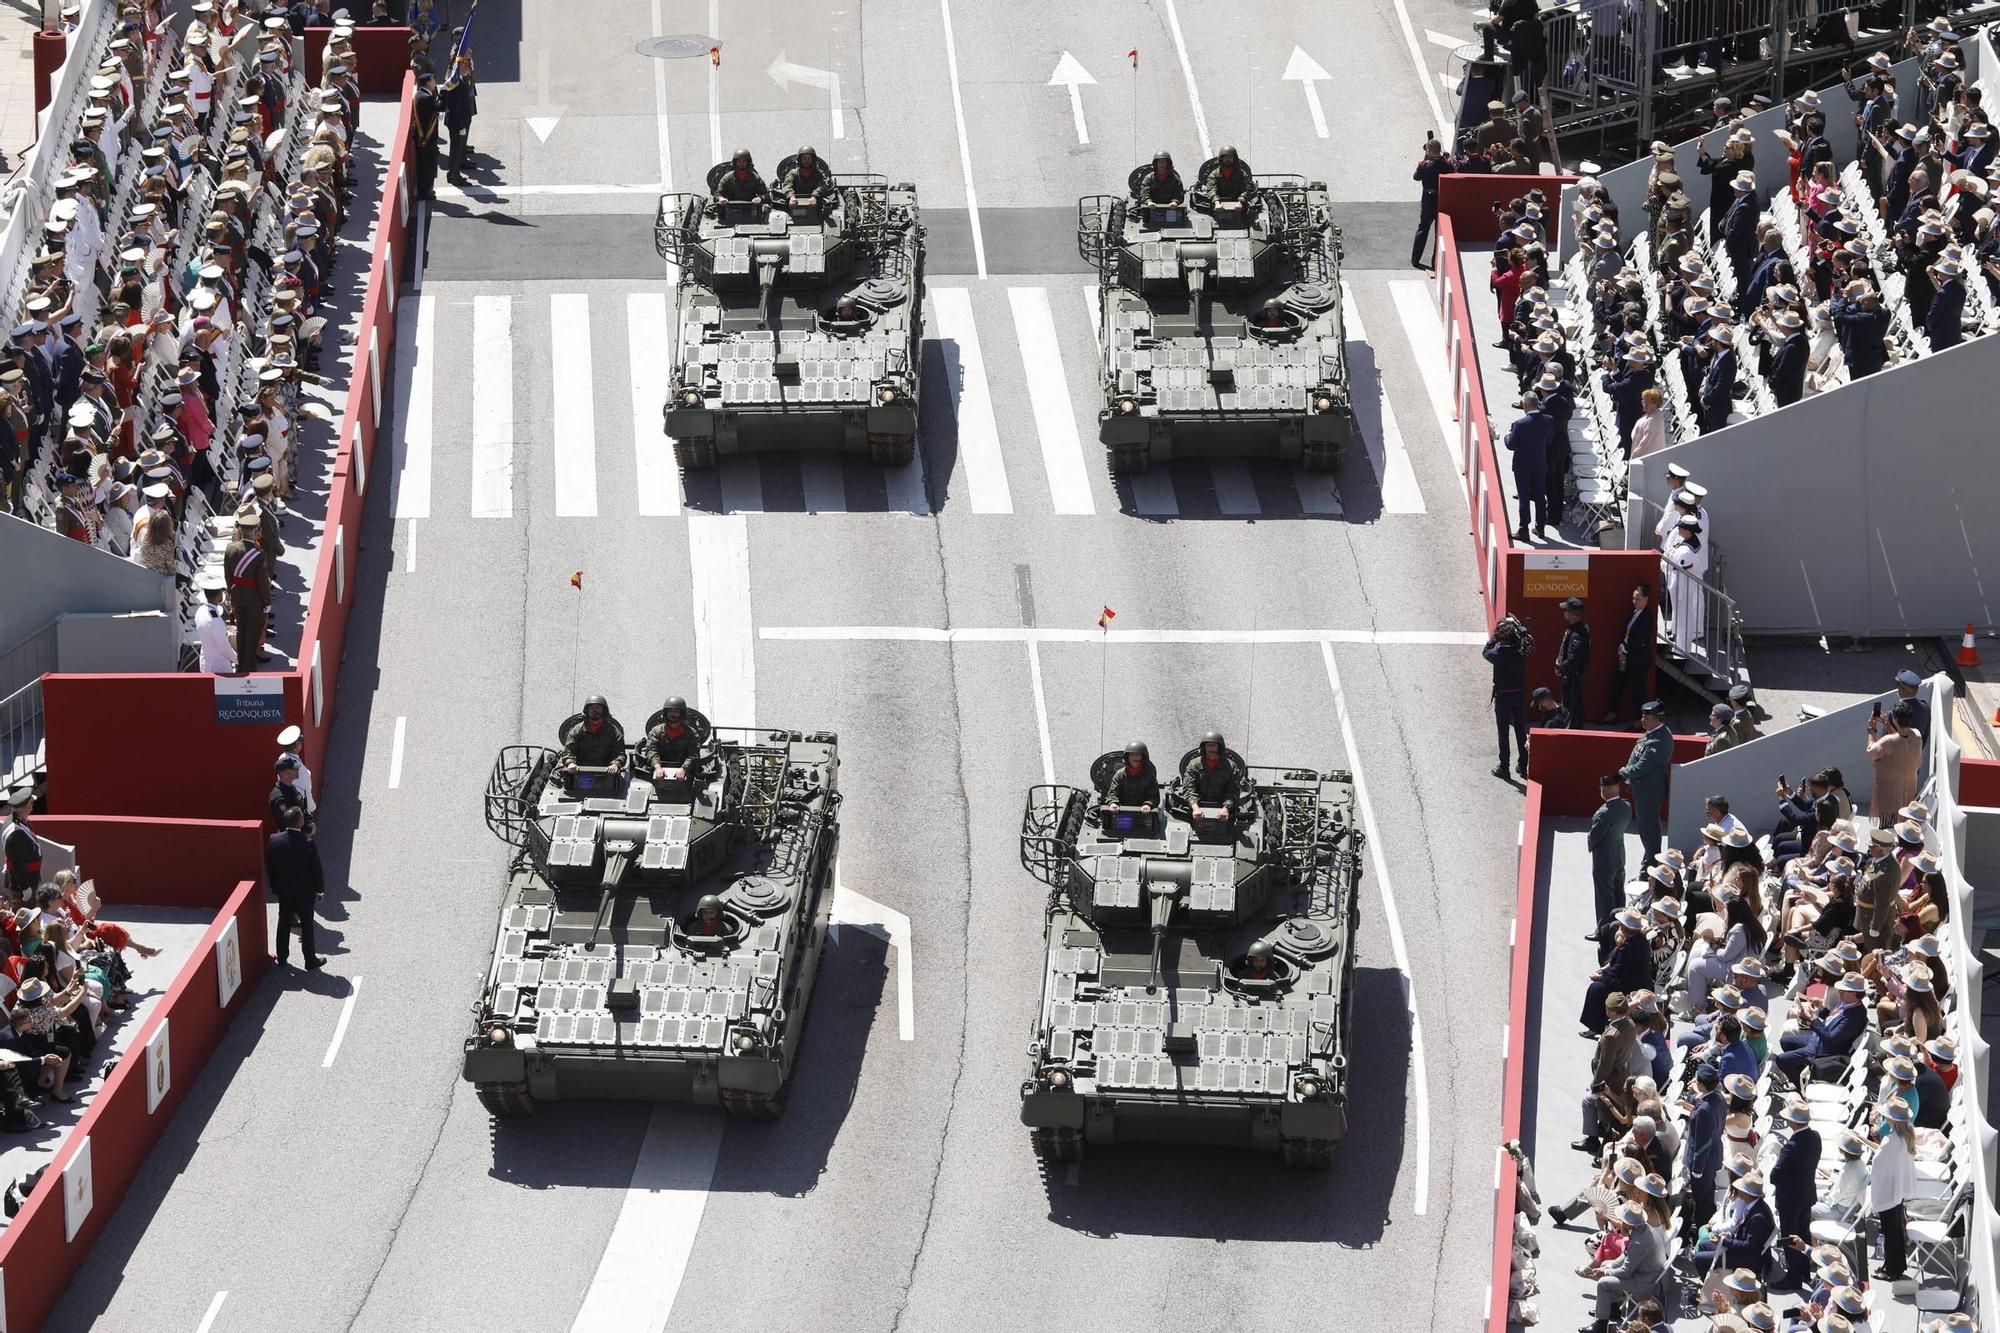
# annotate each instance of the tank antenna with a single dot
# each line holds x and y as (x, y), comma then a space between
(1250, 708)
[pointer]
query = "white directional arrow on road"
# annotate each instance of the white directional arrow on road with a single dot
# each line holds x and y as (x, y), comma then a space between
(1069, 74)
(543, 115)
(893, 929)
(1302, 68)
(784, 73)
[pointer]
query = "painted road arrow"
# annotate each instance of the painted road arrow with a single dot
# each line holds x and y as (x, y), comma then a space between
(1303, 69)
(1069, 74)
(543, 115)
(893, 929)
(784, 73)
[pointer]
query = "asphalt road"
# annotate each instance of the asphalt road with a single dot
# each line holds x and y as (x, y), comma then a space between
(363, 1187)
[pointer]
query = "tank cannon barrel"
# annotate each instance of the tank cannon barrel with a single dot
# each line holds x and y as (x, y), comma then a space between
(1163, 892)
(615, 867)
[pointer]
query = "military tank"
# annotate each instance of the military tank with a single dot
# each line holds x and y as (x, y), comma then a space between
(660, 935)
(1199, 964)
(1222, 332)
(800, 325)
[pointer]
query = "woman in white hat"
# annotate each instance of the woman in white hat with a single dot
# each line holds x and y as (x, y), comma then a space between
(1891, 1178)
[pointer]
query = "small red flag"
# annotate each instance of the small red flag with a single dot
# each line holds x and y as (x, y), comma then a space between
(1133, 56)
(576, 579)
(715, 56)
(1104, 620)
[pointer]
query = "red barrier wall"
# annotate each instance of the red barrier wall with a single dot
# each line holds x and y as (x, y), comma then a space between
(1568, 764)
(1604, 580)
(49, 49)
(1468, 200)
(1978, 782)
(1485, 496)
(384, 55)
(38, 1255)
(1520, 974)
(161, 862)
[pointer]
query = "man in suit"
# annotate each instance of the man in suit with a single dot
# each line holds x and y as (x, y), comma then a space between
(1701, 1146)
(1860, 323)
(287, 795)
(1646, 773)
(1788, 359)
(1634, 677)
(1625, 389)
(1829, 1036)
(291, 864)
(1573, 658)
(1795, 1183)
(1739, 225)
(1944, 325)
(1528, 440)
(1745, 1234)
(1635, 1273)
(1909, 686)
(1607, 852)
(1764, 273)
(1718, 382)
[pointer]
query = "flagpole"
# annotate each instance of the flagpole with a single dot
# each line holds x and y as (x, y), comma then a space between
(1103, 652)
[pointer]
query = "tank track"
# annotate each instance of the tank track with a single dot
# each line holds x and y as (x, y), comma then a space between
(762, 1107)
(505, 1101)
(694, 455)
(1309, 1154)
(1058, 1144)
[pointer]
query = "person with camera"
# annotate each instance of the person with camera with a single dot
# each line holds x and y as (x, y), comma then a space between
(1507, 649)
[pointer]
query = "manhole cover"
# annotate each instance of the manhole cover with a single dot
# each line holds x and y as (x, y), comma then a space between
(675, 48)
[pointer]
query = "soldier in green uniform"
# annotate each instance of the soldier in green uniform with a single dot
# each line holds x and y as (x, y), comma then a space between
(1211, 779)
(249, 590)
(594, 740)
(263, 490)
(671, 743)
(806, 179)
(1162, 185)
(1226, 179)
(1136, 783)
(740, 184)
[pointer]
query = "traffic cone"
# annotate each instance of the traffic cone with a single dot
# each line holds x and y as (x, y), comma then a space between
(1996, 717)
(1968, 655)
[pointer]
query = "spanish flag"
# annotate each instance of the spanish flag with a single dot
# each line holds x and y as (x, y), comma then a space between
(715, 56)
(576, 580)
(1105, 618)
(1133, 56)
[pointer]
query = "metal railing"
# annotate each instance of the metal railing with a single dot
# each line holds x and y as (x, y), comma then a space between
(1716, 643)
(28, 661)
(21, 732)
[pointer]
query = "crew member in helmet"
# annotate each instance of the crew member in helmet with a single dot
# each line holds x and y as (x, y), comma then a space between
(708, 919)
(672, 743)
(1226, 178)
(1136, 782)
(740, 184)
(1162, 185)
(1256, 962)
(1210, 779)
(595, 740)
(1273, 317)
(807, 179)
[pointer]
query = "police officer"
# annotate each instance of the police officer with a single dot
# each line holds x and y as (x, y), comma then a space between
(1162, 185)
(594, 740)
(671, 743)
(1431, 166)
(1510, 693)
(249, 578)
(1573, 656)
(426, 111)
(285, 795)
(1210, 779)
(1226, 178)
(1545, 710)
(806, 179)
(1136, 782)
(740, 184)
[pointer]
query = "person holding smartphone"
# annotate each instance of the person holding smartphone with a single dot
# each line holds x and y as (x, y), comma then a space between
(1895, 748)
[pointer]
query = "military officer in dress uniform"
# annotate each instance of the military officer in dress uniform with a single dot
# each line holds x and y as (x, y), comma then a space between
(1645, 772)
(23, 849)
(1573, 656)
(249, 590)
(211, 629)
(263, 499)
(425, 114)
(288, 748)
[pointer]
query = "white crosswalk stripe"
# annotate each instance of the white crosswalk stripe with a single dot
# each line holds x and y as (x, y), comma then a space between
(1377, 420)
(659, 482)
(493, 407)
(972, 401)
(573, 433)
(1048, 395)
(1419, 317)
(1235, 492)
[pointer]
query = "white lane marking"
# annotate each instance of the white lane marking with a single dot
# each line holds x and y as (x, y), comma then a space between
(646, 339)
(500, 194)
(1303, 70)
(574, 431)
(640, 1273)
(724, 660)
(422, 247)
(1445, 39)
(825, 485)
(785, 73)
(964, 145)
(903, 487)
(413, 409)
(340, 1027)
(1380, 862)
(972, 401)
(1194, 97)
(742, 482)
(1423, 70)
(715, 85)
(1152, 491)
(410, 548)
(1318, 492)
(1419, 318)
(1048, 393)
(492, 407)
(1399, 638)
(1071, 74)
(214, 1309)
(1380, 430)
(1235, 492)
(893, 929)
(544, 123)
(660, 105)
(396, 754)
(1041, 710)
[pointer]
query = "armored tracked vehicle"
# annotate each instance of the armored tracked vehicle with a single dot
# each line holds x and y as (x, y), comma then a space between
(1221, 319)
(1200, 962)
(800, 320)
(661, 930)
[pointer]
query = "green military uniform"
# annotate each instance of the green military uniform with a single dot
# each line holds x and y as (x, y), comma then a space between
(671, 751)
(1212, 786)
(594, 749)
(267, 527)
(799, 183)
(1226, 181)
(734, 190)
(1156, 189)
(249, 581)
